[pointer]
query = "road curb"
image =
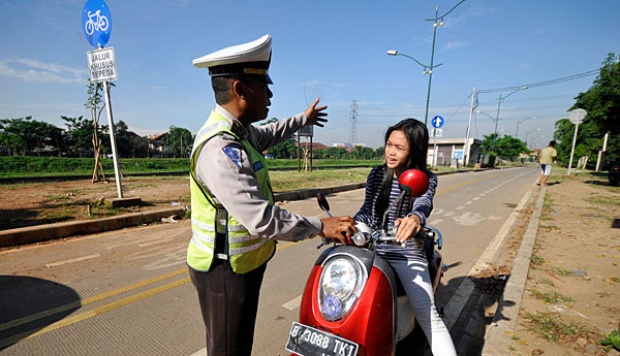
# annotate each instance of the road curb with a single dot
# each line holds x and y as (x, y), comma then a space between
(34, 234)
(500, 333)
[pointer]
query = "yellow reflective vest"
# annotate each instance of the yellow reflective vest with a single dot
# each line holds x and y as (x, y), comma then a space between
(245, 251)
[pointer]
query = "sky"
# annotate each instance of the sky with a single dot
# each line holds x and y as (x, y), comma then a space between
(333, 50)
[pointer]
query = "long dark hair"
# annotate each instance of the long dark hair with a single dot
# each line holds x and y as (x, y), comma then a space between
(417, 138)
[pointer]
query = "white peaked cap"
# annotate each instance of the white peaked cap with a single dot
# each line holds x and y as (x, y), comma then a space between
(251, 58)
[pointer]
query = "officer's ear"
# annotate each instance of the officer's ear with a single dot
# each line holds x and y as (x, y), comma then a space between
(240, 88)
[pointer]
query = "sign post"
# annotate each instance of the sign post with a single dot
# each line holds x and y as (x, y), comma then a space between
(437, 123)
(97, 27)
(576, 117)
(306, 131)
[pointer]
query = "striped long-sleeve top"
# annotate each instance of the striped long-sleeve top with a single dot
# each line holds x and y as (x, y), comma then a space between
(421, 207)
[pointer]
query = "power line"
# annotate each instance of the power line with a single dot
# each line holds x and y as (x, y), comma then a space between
(540, 84)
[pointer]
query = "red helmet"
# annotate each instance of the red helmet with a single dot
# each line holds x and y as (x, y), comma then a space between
(414, 181)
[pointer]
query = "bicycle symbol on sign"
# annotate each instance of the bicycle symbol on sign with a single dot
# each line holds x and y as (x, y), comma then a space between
(100, 23)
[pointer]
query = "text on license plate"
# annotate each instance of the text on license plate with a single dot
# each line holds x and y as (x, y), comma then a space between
(308, 341)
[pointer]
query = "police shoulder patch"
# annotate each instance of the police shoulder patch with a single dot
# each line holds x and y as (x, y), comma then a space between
(233, 151)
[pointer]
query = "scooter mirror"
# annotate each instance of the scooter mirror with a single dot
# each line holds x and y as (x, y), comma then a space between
(320, 198)
(414, 182)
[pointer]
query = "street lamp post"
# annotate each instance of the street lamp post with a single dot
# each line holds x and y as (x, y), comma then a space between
(527, 133)
(431, 66)
(499, 102)
(429, 72)
(522, 121)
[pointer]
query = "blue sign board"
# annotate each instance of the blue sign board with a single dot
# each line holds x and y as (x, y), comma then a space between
(437, 121)
(97, 22)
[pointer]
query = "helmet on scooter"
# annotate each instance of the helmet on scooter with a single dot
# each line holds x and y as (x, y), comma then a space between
(414, 181)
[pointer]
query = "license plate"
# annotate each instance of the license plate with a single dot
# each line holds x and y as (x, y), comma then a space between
(308, 341)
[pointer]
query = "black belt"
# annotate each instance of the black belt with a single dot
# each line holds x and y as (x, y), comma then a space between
(221, 247)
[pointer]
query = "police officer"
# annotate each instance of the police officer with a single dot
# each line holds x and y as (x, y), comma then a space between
(234, 219)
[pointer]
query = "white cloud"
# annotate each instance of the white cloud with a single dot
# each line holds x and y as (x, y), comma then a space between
(456, 44)
(32, 70)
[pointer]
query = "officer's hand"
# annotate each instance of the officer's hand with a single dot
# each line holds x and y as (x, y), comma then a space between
(338, 228)
(315, 114)
(408, 227)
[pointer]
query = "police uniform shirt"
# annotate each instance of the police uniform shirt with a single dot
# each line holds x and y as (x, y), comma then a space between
(233, 182)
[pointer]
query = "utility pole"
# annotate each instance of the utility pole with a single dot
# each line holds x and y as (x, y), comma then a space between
(353, 133)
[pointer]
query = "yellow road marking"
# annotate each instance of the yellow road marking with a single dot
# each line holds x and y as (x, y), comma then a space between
(91, 313)
(86, 301)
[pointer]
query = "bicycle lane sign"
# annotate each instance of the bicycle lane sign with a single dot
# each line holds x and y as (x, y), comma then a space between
(96, 22)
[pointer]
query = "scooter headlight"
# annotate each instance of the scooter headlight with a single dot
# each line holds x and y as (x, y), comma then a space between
(341, 283)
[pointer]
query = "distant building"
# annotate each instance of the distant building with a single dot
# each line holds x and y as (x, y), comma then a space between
(157, 147)
(449, 151)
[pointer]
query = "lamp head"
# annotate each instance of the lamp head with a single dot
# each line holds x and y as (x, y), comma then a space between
(392, 52)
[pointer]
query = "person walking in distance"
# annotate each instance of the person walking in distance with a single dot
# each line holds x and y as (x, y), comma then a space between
(546, 158)
(235, 223)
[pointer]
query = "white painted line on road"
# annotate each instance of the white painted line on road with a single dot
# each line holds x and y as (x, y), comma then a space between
(293, 304)
(202, 352)
(78, 259)
(455, 305)
(155, 242)
(435, 222)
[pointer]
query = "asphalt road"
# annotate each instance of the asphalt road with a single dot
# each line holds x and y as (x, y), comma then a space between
(127, 292)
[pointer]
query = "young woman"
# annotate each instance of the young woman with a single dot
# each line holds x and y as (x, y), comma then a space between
(406, 147)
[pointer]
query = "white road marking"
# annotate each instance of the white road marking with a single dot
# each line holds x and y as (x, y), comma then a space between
(77, 259)
(457, 302)
(155, 242)
(293, 304)
(202, 352)
(435, 222)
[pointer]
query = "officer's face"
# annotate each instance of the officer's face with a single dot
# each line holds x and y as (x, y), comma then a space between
(258, 99)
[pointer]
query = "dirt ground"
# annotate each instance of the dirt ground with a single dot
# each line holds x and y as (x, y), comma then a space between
(45, 203)
(572, 297)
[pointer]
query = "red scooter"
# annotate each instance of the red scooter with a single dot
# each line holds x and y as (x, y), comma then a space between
(353, 302)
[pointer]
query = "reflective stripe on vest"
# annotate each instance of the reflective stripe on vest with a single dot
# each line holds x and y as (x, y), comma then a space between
(245, 251)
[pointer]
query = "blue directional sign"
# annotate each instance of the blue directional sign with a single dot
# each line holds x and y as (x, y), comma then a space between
(97, 22)
(437, 121)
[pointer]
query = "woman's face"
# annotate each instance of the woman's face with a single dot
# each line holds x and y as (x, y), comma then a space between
(397, 151)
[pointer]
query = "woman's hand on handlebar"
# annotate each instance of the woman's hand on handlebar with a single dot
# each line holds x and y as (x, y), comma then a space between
(408, 227)
(338, 228)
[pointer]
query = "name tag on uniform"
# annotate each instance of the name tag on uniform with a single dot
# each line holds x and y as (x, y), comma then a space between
(258, 165)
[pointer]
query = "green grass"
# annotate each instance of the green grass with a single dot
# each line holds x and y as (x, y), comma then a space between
(552, 327)
(322, 178)
(551, 298)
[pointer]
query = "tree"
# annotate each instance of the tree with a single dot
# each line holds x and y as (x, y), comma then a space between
(78, 136)
(510, 148)
(92, 103)
(336, 153)
(179, 141)
(25, 135)
(362, 153)
(602, 103)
